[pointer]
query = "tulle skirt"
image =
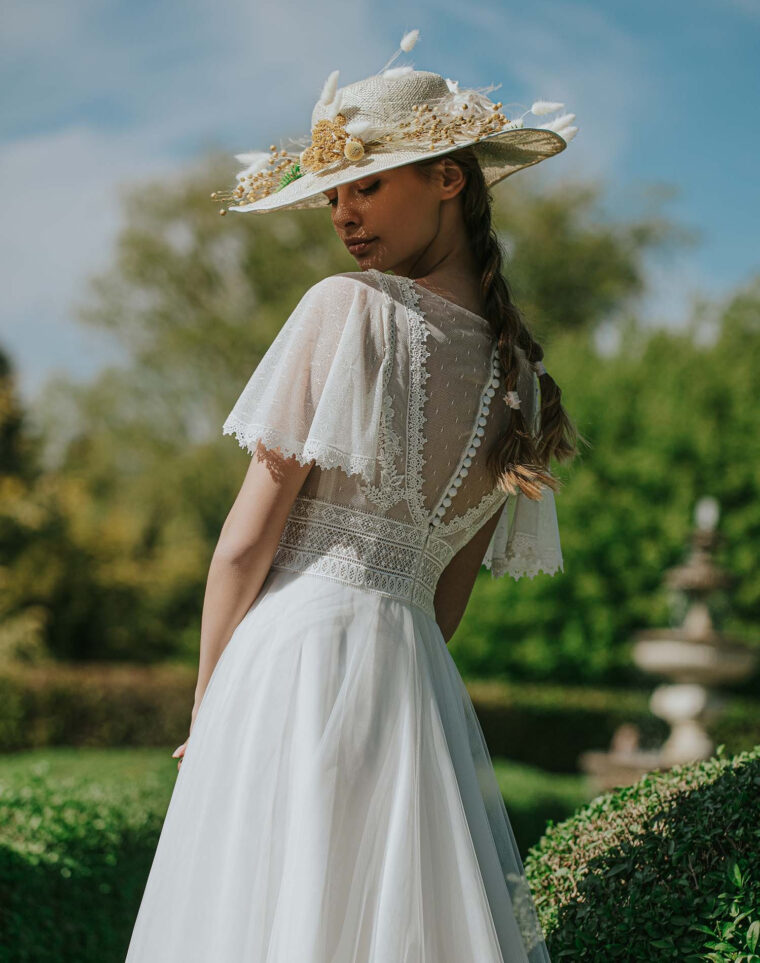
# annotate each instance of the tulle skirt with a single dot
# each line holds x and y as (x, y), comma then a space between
(337, 801)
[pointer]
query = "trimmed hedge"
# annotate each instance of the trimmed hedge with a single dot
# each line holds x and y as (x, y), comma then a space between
(666, 869)
(128, 705)
(75, 851)
(94, 704)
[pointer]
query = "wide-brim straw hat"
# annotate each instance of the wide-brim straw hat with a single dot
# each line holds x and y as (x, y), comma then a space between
(393, 118)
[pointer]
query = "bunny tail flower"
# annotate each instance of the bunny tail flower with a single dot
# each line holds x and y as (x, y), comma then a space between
(255, 161)
(329, 88)
(394, 72)
(407, 43)
(545, 107)
(334, 107)
(564, 120)
(364, 129)
(409, 40)
(567, 133)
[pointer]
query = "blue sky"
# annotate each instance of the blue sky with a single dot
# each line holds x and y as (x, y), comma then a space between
(99, 94)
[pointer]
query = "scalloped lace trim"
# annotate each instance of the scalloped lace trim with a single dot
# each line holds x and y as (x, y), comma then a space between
(326, 456)
(522, 559)
(390, 491)
(418, 375)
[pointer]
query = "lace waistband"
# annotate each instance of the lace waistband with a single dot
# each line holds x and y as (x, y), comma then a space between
(368, 551)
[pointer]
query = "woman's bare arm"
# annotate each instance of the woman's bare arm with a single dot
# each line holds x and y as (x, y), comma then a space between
(244, 552)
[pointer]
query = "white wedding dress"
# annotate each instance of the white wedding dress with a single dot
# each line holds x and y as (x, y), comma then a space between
(337, 802)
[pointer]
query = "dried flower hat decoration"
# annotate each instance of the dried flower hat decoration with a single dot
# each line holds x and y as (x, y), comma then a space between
(393, 118)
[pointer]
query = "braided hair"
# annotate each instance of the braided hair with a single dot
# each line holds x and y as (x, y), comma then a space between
(519, 460)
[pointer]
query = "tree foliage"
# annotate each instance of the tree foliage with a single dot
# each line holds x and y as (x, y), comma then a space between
(671, 418)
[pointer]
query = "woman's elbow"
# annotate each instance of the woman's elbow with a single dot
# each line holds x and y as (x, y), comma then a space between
(236, 553)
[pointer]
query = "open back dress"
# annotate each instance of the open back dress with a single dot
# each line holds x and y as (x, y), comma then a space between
(337, 802)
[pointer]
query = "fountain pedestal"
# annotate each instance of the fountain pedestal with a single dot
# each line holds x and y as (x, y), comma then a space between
(694, 656)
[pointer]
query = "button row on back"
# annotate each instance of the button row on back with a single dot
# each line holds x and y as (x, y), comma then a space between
(474, 443)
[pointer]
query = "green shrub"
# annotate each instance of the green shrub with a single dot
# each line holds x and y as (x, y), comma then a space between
(666, 869)
(76, 844)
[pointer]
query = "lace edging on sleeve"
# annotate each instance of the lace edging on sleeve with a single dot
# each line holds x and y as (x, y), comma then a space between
(317, 393)
(527, 542)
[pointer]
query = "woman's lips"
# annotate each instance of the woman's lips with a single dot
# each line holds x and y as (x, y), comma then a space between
(361, 246)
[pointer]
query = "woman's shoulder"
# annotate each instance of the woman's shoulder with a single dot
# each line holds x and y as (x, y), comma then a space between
(346, 294)
(348, 282)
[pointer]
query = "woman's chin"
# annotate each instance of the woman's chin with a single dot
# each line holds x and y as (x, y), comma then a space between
(370, 260)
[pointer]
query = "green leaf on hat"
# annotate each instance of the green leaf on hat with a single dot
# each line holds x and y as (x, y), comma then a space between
(291, 174)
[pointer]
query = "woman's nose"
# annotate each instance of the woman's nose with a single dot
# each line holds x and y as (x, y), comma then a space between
(345, 210)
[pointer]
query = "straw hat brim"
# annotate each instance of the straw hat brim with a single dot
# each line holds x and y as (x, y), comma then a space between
(499, 154)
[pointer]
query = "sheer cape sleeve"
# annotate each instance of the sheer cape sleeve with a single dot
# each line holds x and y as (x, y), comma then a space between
(526, 538)
(317, 393)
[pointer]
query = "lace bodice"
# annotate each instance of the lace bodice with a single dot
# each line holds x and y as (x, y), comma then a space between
(391, 390)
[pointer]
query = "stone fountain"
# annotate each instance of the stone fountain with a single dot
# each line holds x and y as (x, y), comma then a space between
(694, 657)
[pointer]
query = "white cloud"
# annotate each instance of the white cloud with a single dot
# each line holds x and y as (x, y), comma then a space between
(60, 218)
(111, 103)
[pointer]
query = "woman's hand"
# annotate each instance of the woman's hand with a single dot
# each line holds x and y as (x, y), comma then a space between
(179, 752)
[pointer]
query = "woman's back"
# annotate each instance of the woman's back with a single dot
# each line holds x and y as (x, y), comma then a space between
(390, 388)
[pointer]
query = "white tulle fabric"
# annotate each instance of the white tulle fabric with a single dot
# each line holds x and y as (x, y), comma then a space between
(318, 392)
(337, 802)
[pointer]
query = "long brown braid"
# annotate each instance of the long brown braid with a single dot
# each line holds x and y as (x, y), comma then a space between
(519, 459)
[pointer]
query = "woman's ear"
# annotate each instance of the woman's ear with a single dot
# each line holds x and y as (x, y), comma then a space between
(450, 178)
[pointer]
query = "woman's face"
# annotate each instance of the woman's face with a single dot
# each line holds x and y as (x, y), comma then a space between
(398, 211)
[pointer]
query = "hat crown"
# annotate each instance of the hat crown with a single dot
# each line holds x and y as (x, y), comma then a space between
(379, 97)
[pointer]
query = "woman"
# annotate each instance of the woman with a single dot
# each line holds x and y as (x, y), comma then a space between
(336, 801)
